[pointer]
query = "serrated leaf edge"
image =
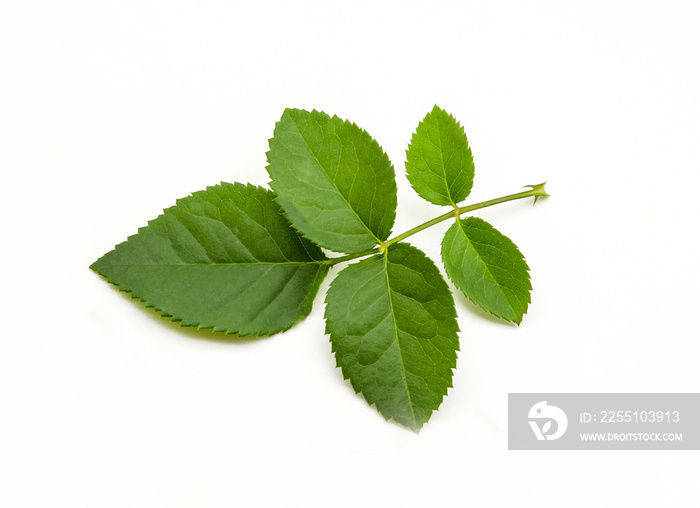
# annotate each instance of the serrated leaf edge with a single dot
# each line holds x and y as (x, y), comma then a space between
(227, 331)
(374, 142)
(447, 189)
(529, 298)
(163, 313)
(359, 391)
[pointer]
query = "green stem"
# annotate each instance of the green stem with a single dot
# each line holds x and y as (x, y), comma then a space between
(350, 257)
(536, 191)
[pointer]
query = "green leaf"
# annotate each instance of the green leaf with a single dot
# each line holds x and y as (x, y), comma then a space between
(439, 162)
(334, 182)
(393, 329)
(224, 258)
(488, 267)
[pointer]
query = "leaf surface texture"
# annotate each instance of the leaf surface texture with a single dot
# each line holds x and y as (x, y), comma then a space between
(393, 329)
(334, 182)
(439, 162)
(488, 267)
(224, 258)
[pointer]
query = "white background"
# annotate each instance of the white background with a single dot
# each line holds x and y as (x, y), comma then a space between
(109, 111)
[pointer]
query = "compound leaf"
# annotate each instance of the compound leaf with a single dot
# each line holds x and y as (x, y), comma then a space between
(439, 162)
(334, 182)
(224, 258)
(393, 328)
(488, 267)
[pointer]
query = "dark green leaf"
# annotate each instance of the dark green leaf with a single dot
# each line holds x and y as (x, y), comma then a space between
(333, 181)
(224, 258)
(393, 329)
(487, 267)
(439, 162)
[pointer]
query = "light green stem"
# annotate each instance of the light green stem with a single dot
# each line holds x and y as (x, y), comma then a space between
(536, 191)
(350, 257)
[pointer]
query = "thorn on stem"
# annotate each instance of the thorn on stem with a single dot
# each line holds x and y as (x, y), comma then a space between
(538, 191)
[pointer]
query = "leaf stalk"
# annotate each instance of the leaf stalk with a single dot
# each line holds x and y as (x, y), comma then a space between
(536, 191)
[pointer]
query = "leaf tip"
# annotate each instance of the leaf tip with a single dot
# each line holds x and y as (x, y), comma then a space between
(416, 428)
(99, 265)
